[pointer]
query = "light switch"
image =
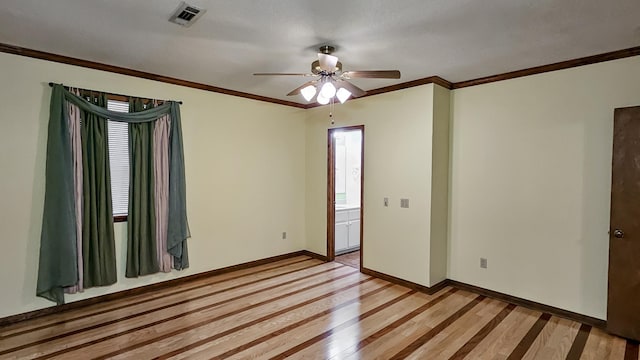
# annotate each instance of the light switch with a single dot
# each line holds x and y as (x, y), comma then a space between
(404, 203)
(386, 202)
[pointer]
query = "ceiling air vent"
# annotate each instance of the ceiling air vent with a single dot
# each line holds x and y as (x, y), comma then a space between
(186, 14)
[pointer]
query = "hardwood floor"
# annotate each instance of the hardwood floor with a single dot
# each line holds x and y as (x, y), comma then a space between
(350, 259)
(304, 308)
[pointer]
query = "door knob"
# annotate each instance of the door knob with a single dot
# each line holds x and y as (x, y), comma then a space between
(618, 233)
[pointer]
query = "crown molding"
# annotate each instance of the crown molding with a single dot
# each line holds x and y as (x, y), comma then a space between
(588, 60)
(17, 50)
(428, 80)
(609, 56)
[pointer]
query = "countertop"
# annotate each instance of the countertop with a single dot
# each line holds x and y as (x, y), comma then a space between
(341, 207)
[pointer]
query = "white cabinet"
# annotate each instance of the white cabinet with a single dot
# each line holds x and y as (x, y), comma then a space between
(342, 236)
(354, 234)
(347, 230)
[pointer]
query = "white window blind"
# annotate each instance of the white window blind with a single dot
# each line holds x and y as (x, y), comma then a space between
(119, 159)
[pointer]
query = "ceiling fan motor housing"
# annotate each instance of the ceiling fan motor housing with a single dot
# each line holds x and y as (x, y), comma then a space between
(315, 67)
(328, 50)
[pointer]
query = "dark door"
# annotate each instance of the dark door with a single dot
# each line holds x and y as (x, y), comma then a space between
(623, 307)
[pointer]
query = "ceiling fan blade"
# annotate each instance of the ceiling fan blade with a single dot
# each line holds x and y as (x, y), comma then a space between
(354, 90)
(327, 62)
(373, 74)
(285, 74)
(296, 91)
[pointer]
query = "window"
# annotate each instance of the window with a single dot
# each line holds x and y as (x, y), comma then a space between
(119, 160)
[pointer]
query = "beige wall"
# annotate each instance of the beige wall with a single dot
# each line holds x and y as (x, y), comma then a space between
(531, 163)
(440, 185)
(244, 165)
(529, 179)
(397, 164)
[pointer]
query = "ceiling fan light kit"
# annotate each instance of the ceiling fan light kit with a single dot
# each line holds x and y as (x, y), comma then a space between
(331, 82)
(322, 100)
(308, 92)
(343, 94)
(328, 90)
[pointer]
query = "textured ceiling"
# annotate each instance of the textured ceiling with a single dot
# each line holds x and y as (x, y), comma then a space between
(455, 39)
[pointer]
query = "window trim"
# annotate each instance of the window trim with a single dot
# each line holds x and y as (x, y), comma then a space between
(120, 218)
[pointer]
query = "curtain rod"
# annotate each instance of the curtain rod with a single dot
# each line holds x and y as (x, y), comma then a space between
(179, 102)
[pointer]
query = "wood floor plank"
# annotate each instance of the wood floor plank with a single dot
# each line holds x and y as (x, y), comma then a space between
(378, 328)
(177, 314)
(281, 342)
(274, 343)
(523, 346)
(506, 336)
(286, 325)
(631, 350)
(404, 335)
(555, 340)
(219, 318)
(541, 338)
(176, 301)
(169, 348)
(598, 346)
(472, 343)
(578, 344)
(339, 328)
(93, 321)
(316, 331)
(618, 348)
(427, 336)
(454, 337)
(350, 336)
(303, 308)
(67, 317)
(283, 321)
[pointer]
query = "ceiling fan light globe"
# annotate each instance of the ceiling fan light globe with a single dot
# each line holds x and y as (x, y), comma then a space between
(327, 62)
(308, 92)
(322, 100)
(328, 90)
(343, 94)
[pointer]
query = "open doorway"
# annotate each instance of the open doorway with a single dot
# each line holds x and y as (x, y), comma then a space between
(344, 195)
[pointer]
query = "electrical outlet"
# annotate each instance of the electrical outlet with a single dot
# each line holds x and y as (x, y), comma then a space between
(483, 263)
(404, 203)
(386, 202)
(284, 235)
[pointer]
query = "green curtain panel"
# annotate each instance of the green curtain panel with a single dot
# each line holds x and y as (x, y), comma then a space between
(98, 244)
(59, 218)
(142, 254)
(58, 255)
(177, 229)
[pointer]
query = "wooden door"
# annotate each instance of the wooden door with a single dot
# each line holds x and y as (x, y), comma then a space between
(623, 307)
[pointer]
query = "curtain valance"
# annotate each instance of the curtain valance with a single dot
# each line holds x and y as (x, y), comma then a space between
(57, 268)
(152, 114)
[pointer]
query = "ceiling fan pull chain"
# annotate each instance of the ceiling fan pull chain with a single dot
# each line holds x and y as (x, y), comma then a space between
(331, 107)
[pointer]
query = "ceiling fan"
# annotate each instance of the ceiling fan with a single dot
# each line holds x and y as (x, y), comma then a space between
(330, 81)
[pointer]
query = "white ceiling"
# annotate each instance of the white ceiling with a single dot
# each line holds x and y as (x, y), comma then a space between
(455, 39)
